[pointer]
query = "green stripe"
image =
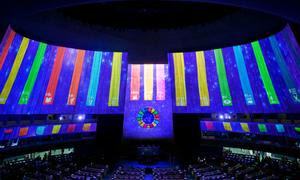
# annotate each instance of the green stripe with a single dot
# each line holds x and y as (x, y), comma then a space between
(225, 92)
(264, 73)
(33, 73)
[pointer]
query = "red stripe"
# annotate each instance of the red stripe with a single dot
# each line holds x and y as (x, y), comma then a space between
(50, 93)
(135, 82)
(76, 78)
(6, 47)
(71, 128)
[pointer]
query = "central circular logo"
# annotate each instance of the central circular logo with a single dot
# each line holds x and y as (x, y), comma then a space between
(148, 117)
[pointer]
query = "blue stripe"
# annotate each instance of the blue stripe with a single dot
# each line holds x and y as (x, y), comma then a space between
(239, 58)
(94, 79)
(284, 71)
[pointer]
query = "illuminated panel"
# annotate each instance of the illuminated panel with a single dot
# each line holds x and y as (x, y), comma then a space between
(160, 82)
(50, 93)
(264, 73)
(245, 127)
(86, 127)
(23, 131)
(239, 58)
(179, 75)
(14, 71)
(56, 129)
(292, 88)
(6, 47)
(148, 82)
(94, 80)
(227, 126)
(33, 73)
(280, 128)
(71, 128)
(202, 80)
(114, 90)
(76, 78)
(262, 128)
(225, 92)
(135, 82)
(144, 118)
(40, 130)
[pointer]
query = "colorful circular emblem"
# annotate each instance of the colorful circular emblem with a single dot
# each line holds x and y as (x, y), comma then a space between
(148, 117)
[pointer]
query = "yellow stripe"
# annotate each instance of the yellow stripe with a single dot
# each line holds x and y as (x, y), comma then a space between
(180, 88)
(202, 80)
(148, 81)
(115, 80)
(14, 71)
(227, 126)
(245, 127)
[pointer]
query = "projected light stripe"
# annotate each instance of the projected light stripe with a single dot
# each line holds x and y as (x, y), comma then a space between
(227, 126)
(245, 127)
(240, 61)
(50, 93)
(264, 73)
(33, 73)
(292, 47)
(292, 88)
(94, 80)
(180, 88)
(135, 82)
(202, 80)
(14, 71)
(148, 81)
(115, 80)
(8, 43)
(225, 92)
(160, 82)
(76, 78)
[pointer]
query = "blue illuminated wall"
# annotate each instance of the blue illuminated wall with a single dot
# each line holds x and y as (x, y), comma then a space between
(148, 104)
(259, 77)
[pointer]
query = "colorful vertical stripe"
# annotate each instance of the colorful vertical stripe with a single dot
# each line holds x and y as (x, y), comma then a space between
(160, 82)
(114, 90)
(262, 128)
(94, 79)
(6, 47)
(33, 73)
(86, 127)
(179, 76)
(247, 90)
(287, 77)
(71, 128)
(23, 131)
(227, 126)
(221, 71)
(56, 129)
(264, 73)
(50, 93)
(76, 78)
(135, 82)
(245, 127)
(209, 125)
(14, 71)
(40, 130)
(202, 80)
(280, 128)
(148, 82)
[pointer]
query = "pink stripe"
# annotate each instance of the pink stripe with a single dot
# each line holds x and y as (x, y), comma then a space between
(160, 82)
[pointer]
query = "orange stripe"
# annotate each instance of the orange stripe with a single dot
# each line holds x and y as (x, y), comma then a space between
(6, 47)
(50, 93)
(76, 78)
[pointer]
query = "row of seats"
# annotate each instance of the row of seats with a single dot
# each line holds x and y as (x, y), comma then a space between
(168, 173)
(128, 173)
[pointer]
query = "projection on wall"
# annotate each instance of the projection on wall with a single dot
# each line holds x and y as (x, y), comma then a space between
(259, 77)
(273, 129)
(148, 104)
(37, 78)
